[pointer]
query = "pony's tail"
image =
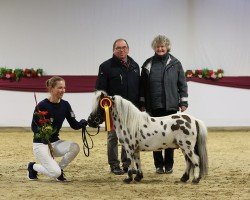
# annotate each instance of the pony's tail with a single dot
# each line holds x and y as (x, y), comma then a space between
(202, 147)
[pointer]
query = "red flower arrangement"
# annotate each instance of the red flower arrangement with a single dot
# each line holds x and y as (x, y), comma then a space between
(17, 74)
(205, 73)
(45, 128)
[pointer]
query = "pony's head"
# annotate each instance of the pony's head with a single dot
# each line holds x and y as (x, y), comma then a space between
(96, 116)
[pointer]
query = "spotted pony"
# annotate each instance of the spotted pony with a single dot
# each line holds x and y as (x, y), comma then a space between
(137, 131)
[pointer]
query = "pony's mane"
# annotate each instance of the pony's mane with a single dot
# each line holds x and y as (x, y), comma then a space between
(96, 99)
(130, 116)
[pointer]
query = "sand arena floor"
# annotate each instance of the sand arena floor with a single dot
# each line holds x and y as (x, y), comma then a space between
(229, 172)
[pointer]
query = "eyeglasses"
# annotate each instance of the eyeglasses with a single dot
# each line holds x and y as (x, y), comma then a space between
(121, 48)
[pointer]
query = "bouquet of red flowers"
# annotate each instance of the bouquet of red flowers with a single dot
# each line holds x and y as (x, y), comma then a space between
(45, 128)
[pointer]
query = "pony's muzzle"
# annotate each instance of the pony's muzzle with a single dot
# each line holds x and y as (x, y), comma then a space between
(94, 121)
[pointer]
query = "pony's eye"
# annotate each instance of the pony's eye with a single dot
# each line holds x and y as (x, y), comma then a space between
(97, 120)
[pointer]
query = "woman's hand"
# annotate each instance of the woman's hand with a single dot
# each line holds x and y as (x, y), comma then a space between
(183, 108)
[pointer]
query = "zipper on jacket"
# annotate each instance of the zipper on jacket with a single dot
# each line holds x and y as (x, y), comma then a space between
(121, 79)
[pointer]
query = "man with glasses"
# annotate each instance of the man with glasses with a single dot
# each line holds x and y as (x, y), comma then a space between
(119, 75)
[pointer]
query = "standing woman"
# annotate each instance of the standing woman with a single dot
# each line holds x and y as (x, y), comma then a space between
(163, 91)
(48, 116)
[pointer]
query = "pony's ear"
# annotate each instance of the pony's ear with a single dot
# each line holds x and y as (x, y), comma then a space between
(102, 95)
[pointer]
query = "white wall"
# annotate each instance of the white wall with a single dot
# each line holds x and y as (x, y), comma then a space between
(219, 106)
(72, 37)
(216, 106)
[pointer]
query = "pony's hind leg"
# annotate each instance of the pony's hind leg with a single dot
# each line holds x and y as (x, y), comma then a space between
(196, 167)
(194, 159)
(185, 176)
(139, 174)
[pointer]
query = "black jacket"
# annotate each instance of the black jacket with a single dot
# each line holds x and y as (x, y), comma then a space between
(116, 79)
(173, 82)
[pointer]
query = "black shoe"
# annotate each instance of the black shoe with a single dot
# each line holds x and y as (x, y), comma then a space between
(32, 174)
(159, 170)
(61, 177)
(117, 170)
(125, 169)
(168, 170)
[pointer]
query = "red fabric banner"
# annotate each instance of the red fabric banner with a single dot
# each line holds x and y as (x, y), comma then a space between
(78, 84)
(227, 81)
(74, 84)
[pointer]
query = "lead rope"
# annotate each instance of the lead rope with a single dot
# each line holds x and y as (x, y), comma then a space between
(85, 135)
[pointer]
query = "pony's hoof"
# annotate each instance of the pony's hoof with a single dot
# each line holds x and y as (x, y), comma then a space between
(127, 180)
(138, 177)
(184, 178)
(196, 181)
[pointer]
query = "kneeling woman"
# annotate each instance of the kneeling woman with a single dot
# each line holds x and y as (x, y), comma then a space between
(47, 121)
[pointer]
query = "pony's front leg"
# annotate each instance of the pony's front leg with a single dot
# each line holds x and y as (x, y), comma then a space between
(139, 174)
(130, 158)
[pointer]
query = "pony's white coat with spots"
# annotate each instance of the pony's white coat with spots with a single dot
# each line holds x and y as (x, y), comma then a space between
(138, 131)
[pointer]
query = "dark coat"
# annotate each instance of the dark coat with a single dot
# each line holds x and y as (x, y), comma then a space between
(116, 79)
(174, 85)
